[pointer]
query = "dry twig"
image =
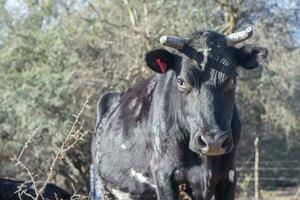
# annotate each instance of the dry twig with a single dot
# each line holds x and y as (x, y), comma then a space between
(76, 134)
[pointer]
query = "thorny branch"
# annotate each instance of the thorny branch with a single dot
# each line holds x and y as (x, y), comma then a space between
(76, 134)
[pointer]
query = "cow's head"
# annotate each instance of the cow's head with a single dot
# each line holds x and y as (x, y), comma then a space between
(205, 65)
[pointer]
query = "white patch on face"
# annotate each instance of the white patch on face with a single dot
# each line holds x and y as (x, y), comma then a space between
(205, 51)
(121, 195)
(123, 146)
(231, 175)
(140, 177)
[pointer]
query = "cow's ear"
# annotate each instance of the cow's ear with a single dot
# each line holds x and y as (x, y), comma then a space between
(159, 60)
(250, 56)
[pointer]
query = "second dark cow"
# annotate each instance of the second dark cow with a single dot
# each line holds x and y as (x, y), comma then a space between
(21, 190)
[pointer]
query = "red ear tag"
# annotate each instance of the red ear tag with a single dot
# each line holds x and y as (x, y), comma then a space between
(162, 65)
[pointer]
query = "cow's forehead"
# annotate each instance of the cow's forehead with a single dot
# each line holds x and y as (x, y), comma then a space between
(217, 60)
(206, 39)
(209, 44)
(212, 73)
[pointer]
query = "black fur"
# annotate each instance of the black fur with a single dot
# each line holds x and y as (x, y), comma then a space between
(9, 188)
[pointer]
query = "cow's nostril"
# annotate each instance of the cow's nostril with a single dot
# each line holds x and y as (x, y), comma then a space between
(201, 141)
(226, 143)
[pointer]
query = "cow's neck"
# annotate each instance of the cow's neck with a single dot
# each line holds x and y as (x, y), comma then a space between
(166, 111)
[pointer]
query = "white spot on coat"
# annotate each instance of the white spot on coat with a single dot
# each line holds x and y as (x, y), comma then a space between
(157, 144)
(123, 146)
(140, 177)
(231, 175)
(151, 86)
(138, 110)
(30, 187)
(120, 195)
(209, 173)
(133, 103)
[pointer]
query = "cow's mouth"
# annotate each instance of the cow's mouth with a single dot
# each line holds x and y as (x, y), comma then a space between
(213, 151)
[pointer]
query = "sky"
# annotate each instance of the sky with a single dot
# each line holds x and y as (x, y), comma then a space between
(17, 9)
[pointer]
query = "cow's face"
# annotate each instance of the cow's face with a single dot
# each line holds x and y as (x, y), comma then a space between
(205, 68)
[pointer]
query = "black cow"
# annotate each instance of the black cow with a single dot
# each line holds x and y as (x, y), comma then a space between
(179, 127)
(9, 191)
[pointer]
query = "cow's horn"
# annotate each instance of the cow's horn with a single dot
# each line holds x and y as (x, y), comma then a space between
(237, 37)
(172, 41)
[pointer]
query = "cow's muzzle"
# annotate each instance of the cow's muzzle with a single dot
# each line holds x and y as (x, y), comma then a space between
(215, 145)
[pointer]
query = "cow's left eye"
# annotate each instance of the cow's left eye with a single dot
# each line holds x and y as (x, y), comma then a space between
(183, 86)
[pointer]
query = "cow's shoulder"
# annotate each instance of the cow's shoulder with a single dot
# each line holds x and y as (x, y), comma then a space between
(136, 101)
(105, 102)
(125, 108)
(141, 90)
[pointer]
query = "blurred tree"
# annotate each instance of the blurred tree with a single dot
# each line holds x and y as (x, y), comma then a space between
(60, 52)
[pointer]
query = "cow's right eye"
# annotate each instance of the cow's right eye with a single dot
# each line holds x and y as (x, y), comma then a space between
(183, 86)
